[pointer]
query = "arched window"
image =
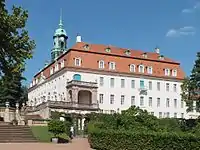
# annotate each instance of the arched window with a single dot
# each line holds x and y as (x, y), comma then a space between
(77, 77)
(149, 70)
(101, 64)
(132, 68)
(141, 68)
(174, 72)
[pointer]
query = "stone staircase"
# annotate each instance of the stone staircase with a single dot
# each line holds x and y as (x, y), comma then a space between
(16, 134)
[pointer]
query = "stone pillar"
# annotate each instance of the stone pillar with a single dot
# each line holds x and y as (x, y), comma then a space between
(17, 108)
(79, 124)
(94, 96)
(83, 124)
(7, 113)
(75, 95)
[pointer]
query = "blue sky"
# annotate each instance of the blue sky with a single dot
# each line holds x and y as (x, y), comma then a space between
(173, 25)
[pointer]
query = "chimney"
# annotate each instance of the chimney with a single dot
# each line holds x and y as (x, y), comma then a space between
(78, 38)
(157, 50)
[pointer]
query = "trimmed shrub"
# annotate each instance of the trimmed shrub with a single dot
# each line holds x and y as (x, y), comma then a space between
(125, 140)
(56, 127)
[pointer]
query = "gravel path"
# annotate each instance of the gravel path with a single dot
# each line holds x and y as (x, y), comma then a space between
(77, 144)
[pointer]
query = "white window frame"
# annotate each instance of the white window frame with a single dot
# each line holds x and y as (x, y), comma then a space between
(122, 83)
(141, 68)
(150, 101)
(167, 72)
(150, 70)
(112, 65)
(158, 102)
(133, 84)
(77, 61)
(167, 87)
(51, 70)
(141, 100)
(122, 99)
(175, 103)
(56, 67)
(101, 81)
(174, 72)
(101, 64)
(132, 100)
(132, 68)
(150, 85)
(167, 102)
(101, 98)
(62, 64)
(112, 99)
(112, 85)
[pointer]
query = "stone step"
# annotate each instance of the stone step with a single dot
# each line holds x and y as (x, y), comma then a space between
(18, 141)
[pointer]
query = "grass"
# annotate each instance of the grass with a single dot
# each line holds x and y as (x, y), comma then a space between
(43, 135)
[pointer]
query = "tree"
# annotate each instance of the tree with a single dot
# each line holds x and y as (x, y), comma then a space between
(15, 48)
(191, 86)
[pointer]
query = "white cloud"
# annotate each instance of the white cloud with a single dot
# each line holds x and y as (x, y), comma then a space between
(192, 9)
(184, 31)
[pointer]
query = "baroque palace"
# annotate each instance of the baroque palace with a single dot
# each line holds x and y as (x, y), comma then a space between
(102, 78)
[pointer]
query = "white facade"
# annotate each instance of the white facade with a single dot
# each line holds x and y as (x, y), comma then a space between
(125, 92)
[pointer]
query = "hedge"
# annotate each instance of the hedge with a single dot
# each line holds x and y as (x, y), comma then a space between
(126, 140)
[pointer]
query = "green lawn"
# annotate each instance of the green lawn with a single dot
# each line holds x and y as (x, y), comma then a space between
(43, 135)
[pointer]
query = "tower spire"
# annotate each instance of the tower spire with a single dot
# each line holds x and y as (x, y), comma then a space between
(61, 24)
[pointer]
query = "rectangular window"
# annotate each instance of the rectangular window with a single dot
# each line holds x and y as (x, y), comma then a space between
(167, 102)
(152, 113)
(150, 85)
(101, 82)
(122, 99)
(132, 100)
(101, 64)
(101, 98)
(150, 101)
(175, 115)
(149, 70)
(112, 99)
(182, 103)
(122, 83)
(158, 102)
(168, 114)
(158, 86)
(167, 72)
(112, 82)
(167, 87)
(112, 66)
(141, 101)
(175, 88)
(132, 84)
(182, 115)
(141, 84)
(56, 67)
(77, 62)
(175, 103)
(160, 114)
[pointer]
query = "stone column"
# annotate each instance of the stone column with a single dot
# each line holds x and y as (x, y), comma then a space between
(94, 96)
(83, 123)
(75, 95)
(79, 124)
(7, 113)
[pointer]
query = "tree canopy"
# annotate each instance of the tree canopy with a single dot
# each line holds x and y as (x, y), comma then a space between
(191, 87)
(15, 48)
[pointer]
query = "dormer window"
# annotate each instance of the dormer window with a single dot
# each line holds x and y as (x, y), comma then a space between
(161, 57)
(51, 70)
(108, 50)
(62, 64)
(77, 61)
(56, 67)
(112, 65)
(132, 68)
(144, 55)
(86, 47)
(150, 70)
(128, 52)
(174, 72)
(167, 72)
(141, 68)
(101, 64)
